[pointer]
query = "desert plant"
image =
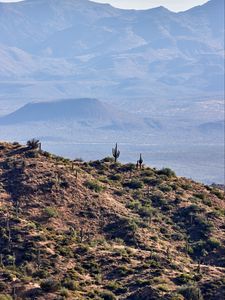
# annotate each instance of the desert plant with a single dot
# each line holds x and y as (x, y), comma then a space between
(33, 144)
(115, 153)
(167, 172)
(93, 185)
(191, 292)
(133, 184)
(107, 295)
(140, 161)
(51, 212)
(5, 297)
(50, 286)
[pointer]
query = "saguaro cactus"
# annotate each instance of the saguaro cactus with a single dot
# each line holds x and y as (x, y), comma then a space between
(115, 153)
(140, 161)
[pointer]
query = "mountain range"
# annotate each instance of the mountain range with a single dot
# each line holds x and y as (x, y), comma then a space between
(66, 48)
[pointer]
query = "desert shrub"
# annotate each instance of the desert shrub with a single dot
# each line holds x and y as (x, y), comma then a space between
(33, 144)
(177, 236)
(64, 293)
(167, 172)
(5, 297)
(147, 173)
(31, 154)
(127, 168)
(115, 177)
(145, 211)
(93, 185)
(2, 286)
(46, 154)
(191, 292)
(41, 274)
(218, 193)
(184, 279)
(212, 244)
(202, 247)
(50, 286)
(158, 198)
(98, 165)
(16, 144)
(107, 295)
(64, 184)
(133, 184)
(92, 266)
(123, 228)
(152, 181)
(70, 284)
(201, 196)
(165, 188)
(119, 193)
(134, 205)
(201, 228)
(78, 159)
(113, 285)
(108, 159)
(50, 212)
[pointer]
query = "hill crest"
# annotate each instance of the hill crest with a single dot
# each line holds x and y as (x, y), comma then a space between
(101, 230)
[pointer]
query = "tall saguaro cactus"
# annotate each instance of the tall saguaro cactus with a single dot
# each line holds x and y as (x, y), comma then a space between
(115, 153)
(140, 161)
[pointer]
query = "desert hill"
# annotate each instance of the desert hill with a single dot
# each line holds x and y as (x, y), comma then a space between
(100, 230)
(85, 111)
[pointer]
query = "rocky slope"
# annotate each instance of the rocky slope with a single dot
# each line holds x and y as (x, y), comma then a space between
(100, 230)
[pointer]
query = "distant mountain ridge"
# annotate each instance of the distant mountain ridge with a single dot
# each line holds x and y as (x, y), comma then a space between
(85, 111)
(86, 48)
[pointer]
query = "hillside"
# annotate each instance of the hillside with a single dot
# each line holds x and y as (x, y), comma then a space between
(100, 230)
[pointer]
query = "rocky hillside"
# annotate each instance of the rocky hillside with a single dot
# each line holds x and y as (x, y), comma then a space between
(100, 230)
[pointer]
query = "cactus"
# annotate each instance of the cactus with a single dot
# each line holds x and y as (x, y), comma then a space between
(115, 153)
(140, 161)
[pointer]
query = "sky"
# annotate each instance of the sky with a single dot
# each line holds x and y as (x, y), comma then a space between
(174, 5)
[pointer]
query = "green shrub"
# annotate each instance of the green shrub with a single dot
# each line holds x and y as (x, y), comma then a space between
(107, 295)
(127, 168)
(184, 279)
(145, 211)
(158, 198)
(133, 184)
(218, 193)
(116, 177)
(70, 284)
(212, 243)
(50, 212)
(93, 185)
(152, 181)
(167, 172)
(191, 292)
(50, 286)
(64, 293)
(123, 228)
(165, 188)
(5, 297)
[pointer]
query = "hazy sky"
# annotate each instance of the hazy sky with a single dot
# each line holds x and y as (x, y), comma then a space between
(175, 5)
